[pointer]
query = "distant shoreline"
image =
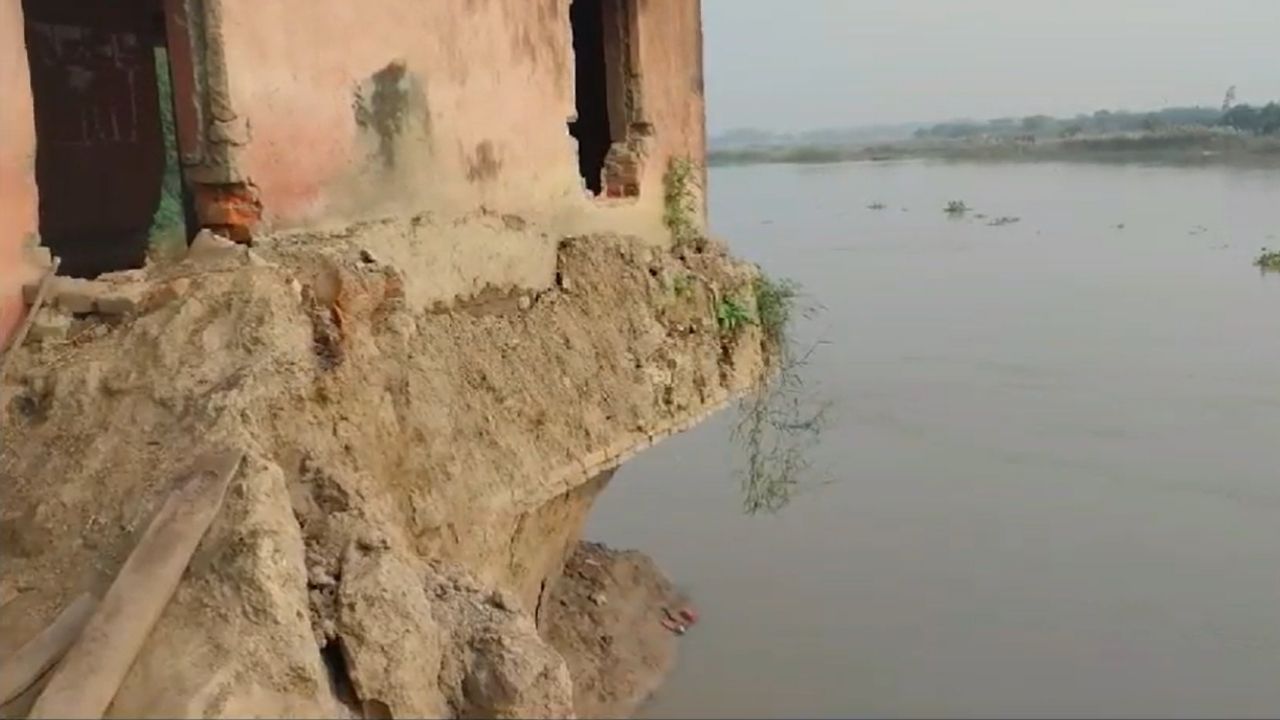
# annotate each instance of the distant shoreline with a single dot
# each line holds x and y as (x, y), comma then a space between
(1163, 148)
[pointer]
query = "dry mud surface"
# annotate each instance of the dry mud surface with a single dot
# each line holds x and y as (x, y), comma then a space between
(605, 617)
(414, 477)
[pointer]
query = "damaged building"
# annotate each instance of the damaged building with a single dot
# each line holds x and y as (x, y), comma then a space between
(418, 276)
(560, 116)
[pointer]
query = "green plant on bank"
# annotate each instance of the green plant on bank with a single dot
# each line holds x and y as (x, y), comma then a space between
(732, 316)
(681, 185)
(956, 207)
(780, 422)
(775, 305)
(1269, 260)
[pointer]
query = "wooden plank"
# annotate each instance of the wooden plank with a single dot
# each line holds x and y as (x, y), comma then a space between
(84, 684)
(21, 705)
(20, 671)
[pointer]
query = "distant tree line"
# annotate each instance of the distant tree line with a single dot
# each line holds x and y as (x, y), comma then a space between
(1263, 120)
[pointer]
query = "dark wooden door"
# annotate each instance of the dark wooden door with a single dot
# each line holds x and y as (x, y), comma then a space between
(100, 155)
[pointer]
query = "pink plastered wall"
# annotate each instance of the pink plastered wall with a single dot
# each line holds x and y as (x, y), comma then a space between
(18, 202)
(474, 98)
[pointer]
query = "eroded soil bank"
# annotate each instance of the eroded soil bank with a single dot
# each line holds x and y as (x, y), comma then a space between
(415, 477)
(605, 617)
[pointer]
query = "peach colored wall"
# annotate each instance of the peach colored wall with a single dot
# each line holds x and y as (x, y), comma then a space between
(671, 65)
(17, 165)
(477, 95)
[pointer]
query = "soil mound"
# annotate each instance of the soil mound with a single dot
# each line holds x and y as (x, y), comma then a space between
(413, 480)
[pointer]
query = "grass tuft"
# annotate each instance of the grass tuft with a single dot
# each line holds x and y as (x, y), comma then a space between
(1269, 260)
(681, 187)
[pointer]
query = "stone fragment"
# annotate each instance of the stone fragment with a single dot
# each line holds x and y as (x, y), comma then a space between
(39, 256)
(209, 245)
(121, 299)
(76, 295)
(49, 324)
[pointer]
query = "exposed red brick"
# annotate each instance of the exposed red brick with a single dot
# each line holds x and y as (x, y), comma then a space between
(622, 172)
(232, 209)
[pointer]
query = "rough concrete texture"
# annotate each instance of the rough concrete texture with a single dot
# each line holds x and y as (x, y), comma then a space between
(388, 445)
(444, 261)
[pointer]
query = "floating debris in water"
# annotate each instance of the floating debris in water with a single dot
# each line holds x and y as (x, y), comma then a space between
(956, 207)
(1268, 261)
(876, 206)
(1004, 220)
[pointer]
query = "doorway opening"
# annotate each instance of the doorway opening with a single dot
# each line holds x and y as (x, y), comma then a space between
(605, 95)
(107, 167)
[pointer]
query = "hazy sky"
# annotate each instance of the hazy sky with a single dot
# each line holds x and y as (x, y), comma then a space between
(797, 64)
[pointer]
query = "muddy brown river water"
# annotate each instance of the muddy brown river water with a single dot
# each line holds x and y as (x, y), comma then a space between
(1054, 446)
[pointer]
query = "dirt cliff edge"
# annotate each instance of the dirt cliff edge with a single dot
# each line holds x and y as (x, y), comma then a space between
(414, 480)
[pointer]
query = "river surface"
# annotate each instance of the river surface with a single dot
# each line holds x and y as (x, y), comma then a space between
(1054, 447)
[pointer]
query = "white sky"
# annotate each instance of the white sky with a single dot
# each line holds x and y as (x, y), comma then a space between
(799, 64)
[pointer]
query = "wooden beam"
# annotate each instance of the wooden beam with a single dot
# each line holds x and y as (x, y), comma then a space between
(85, 682)
(20, 670)
(21, 705)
